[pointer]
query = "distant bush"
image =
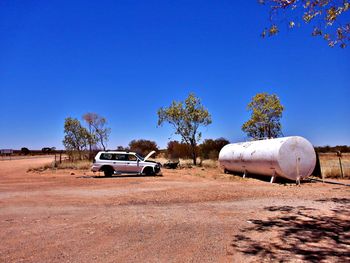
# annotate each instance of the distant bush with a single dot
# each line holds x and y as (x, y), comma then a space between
(338, 148)
(210, 148)
(122, 148)
(48, 149)
(25, 151)
(143, 147)
(177, 149)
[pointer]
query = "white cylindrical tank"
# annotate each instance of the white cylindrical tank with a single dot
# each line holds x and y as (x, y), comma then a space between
(289, 157)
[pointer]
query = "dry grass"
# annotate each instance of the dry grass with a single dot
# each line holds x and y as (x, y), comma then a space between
(188, 163)
(76, 165)
(329, 162)
(330, 166)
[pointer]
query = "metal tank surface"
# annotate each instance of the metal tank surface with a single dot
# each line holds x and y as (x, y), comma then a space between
(292, 157)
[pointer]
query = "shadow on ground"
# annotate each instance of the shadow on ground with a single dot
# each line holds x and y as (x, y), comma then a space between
(264, 178)
(299, 233)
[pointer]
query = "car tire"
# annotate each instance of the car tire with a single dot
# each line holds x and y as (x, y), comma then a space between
(108, 171)
(148, 171)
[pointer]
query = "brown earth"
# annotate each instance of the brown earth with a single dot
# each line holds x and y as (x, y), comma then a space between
(186, 215)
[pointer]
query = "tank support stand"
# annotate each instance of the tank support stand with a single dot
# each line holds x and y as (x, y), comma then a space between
(298, 171)
(273, 177)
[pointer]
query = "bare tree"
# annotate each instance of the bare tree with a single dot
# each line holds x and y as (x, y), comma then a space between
(99, 133)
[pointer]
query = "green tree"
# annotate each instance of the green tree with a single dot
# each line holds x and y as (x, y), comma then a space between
(25, 151)
(186, 118)
(76, 136)
(266, 112)
(143, 147)
(326, 16)
(99, 133)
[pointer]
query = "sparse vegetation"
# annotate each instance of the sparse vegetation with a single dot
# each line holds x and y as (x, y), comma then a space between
(330, 166)
(186, 118)
(77, 137)
(334, 149)
(176, 150)
(210, 148)
(48, 150)
(143, 147)
(76, 165)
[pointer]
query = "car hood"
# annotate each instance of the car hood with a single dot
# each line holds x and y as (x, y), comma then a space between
(149, 155)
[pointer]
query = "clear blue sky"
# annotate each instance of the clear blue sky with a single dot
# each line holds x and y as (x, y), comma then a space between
(126, 59)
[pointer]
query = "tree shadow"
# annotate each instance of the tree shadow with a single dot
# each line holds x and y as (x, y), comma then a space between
(299, 233)
(342, 201)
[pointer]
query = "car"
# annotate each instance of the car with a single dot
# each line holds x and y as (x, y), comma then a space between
(123, 162)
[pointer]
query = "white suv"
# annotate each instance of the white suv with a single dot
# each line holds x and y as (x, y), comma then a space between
(111, 162)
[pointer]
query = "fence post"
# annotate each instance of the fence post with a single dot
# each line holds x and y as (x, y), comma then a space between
(340, 164)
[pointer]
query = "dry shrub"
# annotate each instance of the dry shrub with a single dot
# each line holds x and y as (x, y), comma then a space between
(41, 168)
(210, 163)
(188, 163)
(143, 147)
(76, 165)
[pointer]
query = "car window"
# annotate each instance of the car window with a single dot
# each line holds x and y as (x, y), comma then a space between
(132, 157)
(106, 156)
(139, 156)
(121, 157)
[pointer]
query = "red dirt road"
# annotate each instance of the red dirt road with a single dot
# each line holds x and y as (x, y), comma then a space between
(186, 215)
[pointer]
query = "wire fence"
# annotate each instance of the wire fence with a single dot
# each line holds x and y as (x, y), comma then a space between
(335, 166)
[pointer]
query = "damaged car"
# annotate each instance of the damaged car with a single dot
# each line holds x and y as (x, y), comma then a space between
(120, 162)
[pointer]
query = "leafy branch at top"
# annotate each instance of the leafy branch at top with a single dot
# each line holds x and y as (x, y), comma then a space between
(325, 15)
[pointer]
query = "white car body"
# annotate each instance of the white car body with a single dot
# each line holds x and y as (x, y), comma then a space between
(121, 162)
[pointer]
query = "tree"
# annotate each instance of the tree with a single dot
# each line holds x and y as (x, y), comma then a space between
(98, 131)
(265, 118)
(48, 149)
(122, 148)
(25, 151)
(210, 148)
(76, 136)
(143, 147)
(186, 118)
(327, 17)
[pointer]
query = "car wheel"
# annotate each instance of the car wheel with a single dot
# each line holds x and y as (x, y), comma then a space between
(148, 171)
(108, 171)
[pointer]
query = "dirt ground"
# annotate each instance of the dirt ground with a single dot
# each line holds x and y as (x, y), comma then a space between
(186, 215)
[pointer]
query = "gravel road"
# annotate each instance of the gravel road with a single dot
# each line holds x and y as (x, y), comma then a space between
(186, 215)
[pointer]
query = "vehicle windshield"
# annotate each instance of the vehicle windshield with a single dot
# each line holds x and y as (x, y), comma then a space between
(140, 157)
